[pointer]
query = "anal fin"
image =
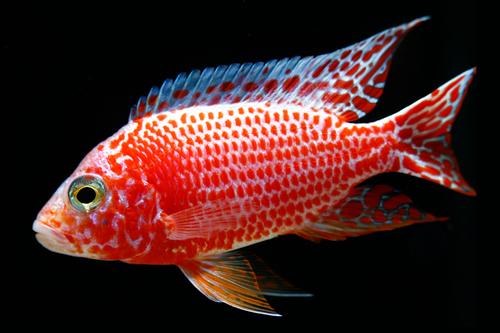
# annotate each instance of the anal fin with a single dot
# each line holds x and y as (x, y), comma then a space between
(365, 210)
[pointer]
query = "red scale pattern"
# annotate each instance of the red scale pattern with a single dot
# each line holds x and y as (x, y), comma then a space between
(289, 164)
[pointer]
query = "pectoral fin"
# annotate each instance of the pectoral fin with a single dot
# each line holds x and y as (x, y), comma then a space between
(202, 220)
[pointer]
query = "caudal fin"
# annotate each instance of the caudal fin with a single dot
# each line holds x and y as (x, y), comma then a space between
(424, 128)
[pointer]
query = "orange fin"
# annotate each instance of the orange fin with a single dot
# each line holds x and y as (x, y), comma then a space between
(202, 220)
(367, 209)
(230, 278)
(270, 283)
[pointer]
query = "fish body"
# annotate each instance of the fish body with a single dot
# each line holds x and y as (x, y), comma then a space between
(228, 157)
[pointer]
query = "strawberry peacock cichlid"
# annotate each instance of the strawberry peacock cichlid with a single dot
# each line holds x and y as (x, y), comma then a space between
(223, 158)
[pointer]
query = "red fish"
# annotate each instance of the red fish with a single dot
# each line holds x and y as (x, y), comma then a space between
(223, 158)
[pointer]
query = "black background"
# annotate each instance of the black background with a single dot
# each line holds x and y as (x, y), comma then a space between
(78, 71)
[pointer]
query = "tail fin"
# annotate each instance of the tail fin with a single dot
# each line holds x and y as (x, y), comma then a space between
(424, 135)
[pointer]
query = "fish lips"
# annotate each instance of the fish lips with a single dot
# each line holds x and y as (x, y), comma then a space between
(53, 240)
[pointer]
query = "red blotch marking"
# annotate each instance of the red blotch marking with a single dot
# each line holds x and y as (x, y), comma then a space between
(353, 70)
(345, 65)
(320, 69)
(362, 104)
(141, 107)
(258, 189)
(380, 38)
(358, 74)
(411, 165)
(451, 85)
(152, 100)
(380, 78)
(333, 66)
(357, 55)
(454, 94)
(373, 91)
(370, 53)
(341, 84)
(215, 179)
(345, 54)
(382, 60)
(210, 89)
(163, 106)
(226, 86)
(270, 86)
(288, 71)
(415, 214)
(352, 210)
(180, 93)
(306, 88)
(291, 83)
(428, 125)
(384, 154)
(116, 141)
(379, 216)
(335, 98)
(395, 201)
(215, 100)
(196, 95)
(396, 165)
(250, 86)
(266, 70)
(447, 166)
(432, 170)
(406, 133)
(321, 85)
(372, 200)
(349, 115)
(446, 111)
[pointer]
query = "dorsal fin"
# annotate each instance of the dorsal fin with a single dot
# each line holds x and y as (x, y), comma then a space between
(348, 82)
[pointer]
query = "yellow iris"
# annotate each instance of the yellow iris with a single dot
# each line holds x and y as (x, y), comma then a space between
(86, 193)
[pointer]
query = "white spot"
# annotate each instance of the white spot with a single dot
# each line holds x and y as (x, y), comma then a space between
(122, 197)
(87, 233)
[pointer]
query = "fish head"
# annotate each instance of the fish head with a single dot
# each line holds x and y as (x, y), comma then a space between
(98, 213)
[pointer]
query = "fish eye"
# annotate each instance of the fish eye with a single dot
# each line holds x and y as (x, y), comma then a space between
(86, 193)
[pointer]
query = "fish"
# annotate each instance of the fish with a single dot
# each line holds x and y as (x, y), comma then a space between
(219, 159)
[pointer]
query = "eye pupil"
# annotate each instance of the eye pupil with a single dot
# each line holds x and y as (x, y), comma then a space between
(86, 195)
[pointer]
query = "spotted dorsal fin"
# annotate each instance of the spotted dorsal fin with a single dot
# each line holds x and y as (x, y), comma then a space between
(348, 82)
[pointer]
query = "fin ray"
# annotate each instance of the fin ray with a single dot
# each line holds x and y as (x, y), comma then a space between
(240, 280)
(201, 221)
(424, 127)
(348, 82)
(365, 210)
(228, 278)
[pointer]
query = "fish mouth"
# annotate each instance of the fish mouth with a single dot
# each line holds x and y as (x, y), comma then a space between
(53, 239)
